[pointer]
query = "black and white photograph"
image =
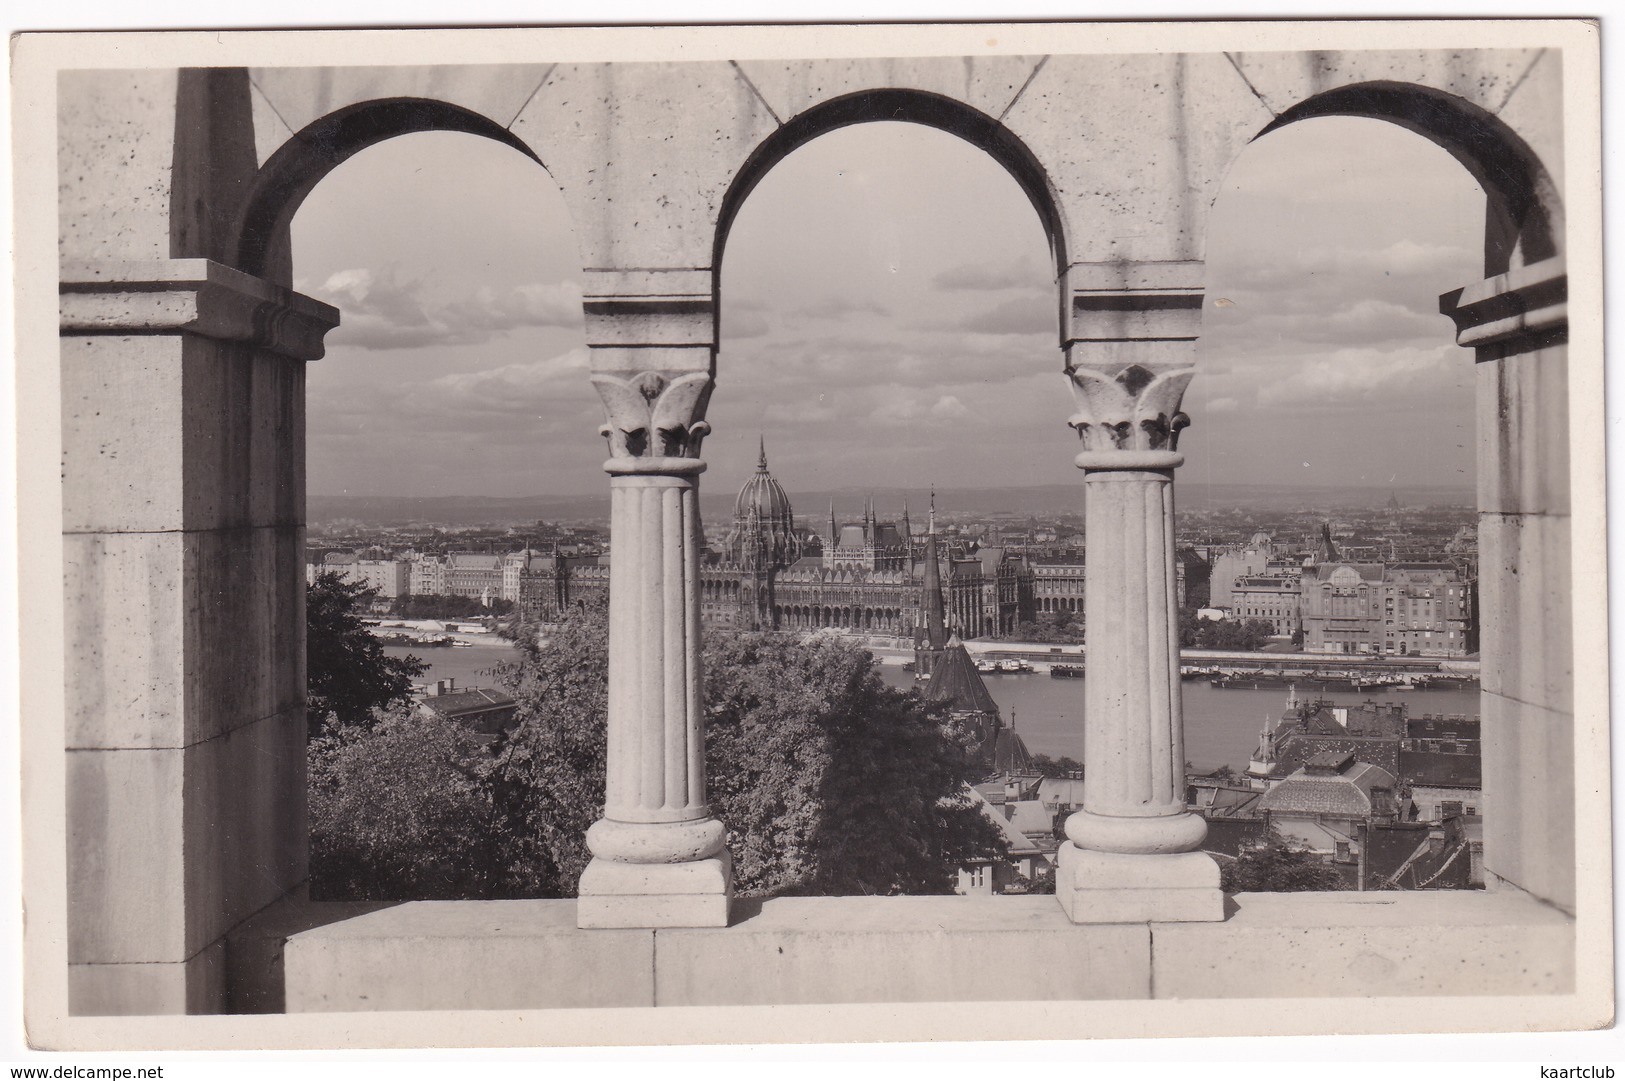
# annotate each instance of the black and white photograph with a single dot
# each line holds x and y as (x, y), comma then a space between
(956, 532)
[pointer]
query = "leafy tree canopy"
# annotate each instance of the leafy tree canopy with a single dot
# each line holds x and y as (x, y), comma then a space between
(400, 810)
(829, 781)
(1235, 635)
(347, 675)
(451, 606)
(1278, 867)
(1061, 766)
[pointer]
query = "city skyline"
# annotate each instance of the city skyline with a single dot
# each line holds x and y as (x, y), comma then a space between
(861, 338)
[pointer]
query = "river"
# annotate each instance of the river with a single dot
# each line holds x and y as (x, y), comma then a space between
(1221, 726)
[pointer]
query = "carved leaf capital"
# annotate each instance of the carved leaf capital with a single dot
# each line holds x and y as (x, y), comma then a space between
(653, 415)
(1135, 407)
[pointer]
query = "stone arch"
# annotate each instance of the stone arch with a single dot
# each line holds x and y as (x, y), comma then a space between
(1524, 220)
(299, 164)
(909, 106)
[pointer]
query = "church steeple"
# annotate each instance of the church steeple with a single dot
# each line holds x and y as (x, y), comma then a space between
(932, 638)
(1326, 552)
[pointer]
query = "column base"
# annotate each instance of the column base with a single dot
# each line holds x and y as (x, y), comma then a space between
(1118, 887)
(693, 894)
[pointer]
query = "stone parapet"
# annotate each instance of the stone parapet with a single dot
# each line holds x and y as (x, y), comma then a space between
(518, 955)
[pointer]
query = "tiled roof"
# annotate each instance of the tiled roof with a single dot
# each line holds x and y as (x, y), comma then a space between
(1405, 856)
(1295, 751)
(1020, 844)
(1440, 770)
(955, 681)
(1343, 794)
(1032, 818)
(474, 561)
(1061, 790)
(1010, 754)
(1370, 572)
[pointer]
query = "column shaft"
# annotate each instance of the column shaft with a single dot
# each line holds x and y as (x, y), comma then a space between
(1134, 744)
(1133, 673)
(656, 741)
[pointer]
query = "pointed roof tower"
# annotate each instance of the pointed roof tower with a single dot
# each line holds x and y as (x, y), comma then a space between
(834, 530)
(956, 683)
(1327, 550)
(936, 630)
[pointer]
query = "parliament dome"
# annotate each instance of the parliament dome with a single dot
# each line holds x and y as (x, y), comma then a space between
(762, 515)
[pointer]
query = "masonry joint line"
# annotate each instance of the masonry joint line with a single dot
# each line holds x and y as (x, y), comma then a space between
(546, 75)
(1518, 85)
(1031, 75)
(1249, 84)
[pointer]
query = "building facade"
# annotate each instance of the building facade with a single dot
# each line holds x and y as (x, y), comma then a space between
(862, 578)
(1402, 609)
(1273, 598)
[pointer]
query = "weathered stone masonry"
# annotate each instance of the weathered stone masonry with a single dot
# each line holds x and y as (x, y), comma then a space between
(183, 416)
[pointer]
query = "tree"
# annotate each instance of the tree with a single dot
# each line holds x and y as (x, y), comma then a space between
(1189, 628)
(449, 606)
(1278, 867)
(1062, 766)
(400, 809)
(548, 779)
(829, 781)
(347, 675)
(1243, 636)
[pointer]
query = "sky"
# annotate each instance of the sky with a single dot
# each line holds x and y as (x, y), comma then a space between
(889, 320)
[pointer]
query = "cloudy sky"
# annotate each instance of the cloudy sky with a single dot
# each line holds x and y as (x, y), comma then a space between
(889, 320)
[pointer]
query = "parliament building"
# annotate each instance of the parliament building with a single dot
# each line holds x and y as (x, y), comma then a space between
(864, 578)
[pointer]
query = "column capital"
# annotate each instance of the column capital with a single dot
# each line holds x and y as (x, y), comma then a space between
(192, 296)
(654, 415)
(1132, 408)
(1524, 309)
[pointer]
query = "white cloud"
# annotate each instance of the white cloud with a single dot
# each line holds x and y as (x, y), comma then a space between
(1354, 378)
(383, 311)
(1027, 314)
(524, 387)
(912, 408)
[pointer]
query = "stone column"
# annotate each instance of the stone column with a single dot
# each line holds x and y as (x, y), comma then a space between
(1132, 852)
(1517, 325)
(658, 854)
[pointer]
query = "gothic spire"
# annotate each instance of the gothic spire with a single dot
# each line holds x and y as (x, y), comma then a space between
(936, 631)
(761, 454)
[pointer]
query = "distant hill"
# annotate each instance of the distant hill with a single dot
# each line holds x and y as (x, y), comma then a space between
(1048, 499)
